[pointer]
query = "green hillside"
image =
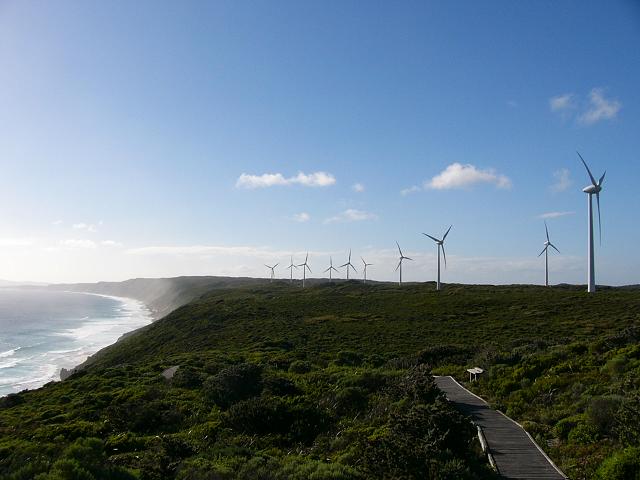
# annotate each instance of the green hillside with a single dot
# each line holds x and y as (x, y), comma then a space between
(333, 382)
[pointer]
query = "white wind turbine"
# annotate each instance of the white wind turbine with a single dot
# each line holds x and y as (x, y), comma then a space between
(364, 280)
(402, 257)
(291, 267)
(592, 189)
(349, 265)
(440, 246)
(331, 269)
(305, 267)
(545, 250)
(273, 271)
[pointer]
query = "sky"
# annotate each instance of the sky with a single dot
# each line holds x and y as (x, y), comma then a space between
(157, 138)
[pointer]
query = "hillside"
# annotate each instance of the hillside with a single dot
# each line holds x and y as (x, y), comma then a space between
(332, 382)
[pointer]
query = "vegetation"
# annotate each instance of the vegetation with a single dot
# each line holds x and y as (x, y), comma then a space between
(334, 382)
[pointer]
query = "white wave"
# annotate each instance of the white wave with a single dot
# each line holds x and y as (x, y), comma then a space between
(8, 353)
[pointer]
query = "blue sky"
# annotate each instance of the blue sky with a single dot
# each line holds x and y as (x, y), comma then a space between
(125, 129)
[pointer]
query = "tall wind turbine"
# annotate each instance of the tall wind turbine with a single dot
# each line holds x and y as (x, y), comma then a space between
(592, 189)
(440, 247)
(402, 257)
(364, 280)
(349, 265)
(545, 250)
(331, 269)
(291, 267)
(273, 271)
(305, 267)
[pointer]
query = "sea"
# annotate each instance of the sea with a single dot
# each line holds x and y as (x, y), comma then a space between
(43, 331)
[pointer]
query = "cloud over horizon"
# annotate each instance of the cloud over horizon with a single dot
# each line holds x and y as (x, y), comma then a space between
(315, 179)
(351, 215)
(547, 215)
(587, 112)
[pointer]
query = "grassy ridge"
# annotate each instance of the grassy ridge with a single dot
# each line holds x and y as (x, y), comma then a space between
(339, 372)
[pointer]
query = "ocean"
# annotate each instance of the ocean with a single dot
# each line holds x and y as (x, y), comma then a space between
(43, 331)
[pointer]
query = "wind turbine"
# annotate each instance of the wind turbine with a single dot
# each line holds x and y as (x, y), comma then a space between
(545, 250)
(440, 246)
(291, 267)
(349, 265)
(402, 257)
(273, 271)
(364, 280)
(305, 267)
(592, 189)
(331, 269)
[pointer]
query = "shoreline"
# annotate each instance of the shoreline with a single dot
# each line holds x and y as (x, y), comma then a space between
(65, 373)
(86, 337)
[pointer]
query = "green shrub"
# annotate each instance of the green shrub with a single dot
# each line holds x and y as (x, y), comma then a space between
(350, 399)
(624, 465)
(349, 358)
(602, 413)
(300, 366)
(187, 377)
(583, 434)
(233, 384)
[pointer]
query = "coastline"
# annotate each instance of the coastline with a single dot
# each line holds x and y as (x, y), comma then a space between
(64, 373)
(69, 346)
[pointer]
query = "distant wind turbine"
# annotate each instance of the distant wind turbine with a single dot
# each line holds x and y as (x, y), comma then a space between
(592, 189)
(305, 267)
(364, 280)
(545, 250)
(402, 257)
(331, 269)
(291, 267)
(349, 265)
(273, 270)
(440, 246)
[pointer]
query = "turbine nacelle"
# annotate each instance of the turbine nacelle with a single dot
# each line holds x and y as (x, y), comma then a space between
(591, 189)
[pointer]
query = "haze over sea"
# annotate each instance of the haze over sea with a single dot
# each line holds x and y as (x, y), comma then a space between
(42, 332)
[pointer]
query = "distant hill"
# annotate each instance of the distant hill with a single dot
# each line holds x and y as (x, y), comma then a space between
(161, 295)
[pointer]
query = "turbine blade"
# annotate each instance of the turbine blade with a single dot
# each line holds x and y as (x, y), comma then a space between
(399, 248)
(547, 229)
(342, 266)
(308, 268)
(593, 180)
(407, 258)
(354, 268)
(327, 270)
(445, 256)
(349, 255)
(602, 178)
(554, 247)
(599, 222)
(399, 263)
(363, 260)
(543, 250)
(267, 265)
(447, 233)
(276, 265)
(432, 238)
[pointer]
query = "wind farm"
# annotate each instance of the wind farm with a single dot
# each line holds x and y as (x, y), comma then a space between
(545, 250)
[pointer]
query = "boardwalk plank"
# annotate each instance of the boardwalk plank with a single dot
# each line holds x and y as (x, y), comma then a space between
(516, 455)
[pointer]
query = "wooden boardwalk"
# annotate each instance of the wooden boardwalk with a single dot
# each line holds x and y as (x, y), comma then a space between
(515, 453)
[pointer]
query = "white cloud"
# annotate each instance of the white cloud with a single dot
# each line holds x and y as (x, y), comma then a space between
(457, 175)
(301, 217)
(78, 243)
(16, 242)
(562, 103)
(110, 243)
(554, 214)
(410, 190)
(600, 108)
(89, 227)
(562, 180)
(357, 187)
(316, 179)
(56, 222)
(351, 215)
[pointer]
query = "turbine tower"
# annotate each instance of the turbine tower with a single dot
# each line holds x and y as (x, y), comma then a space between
(331, 269)
(402, 257)
(364, 280)
(273, 271)
(291, 267)
(440, 244)
(349, 265)
(305, 267)
(547, 244)
(592, 189)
